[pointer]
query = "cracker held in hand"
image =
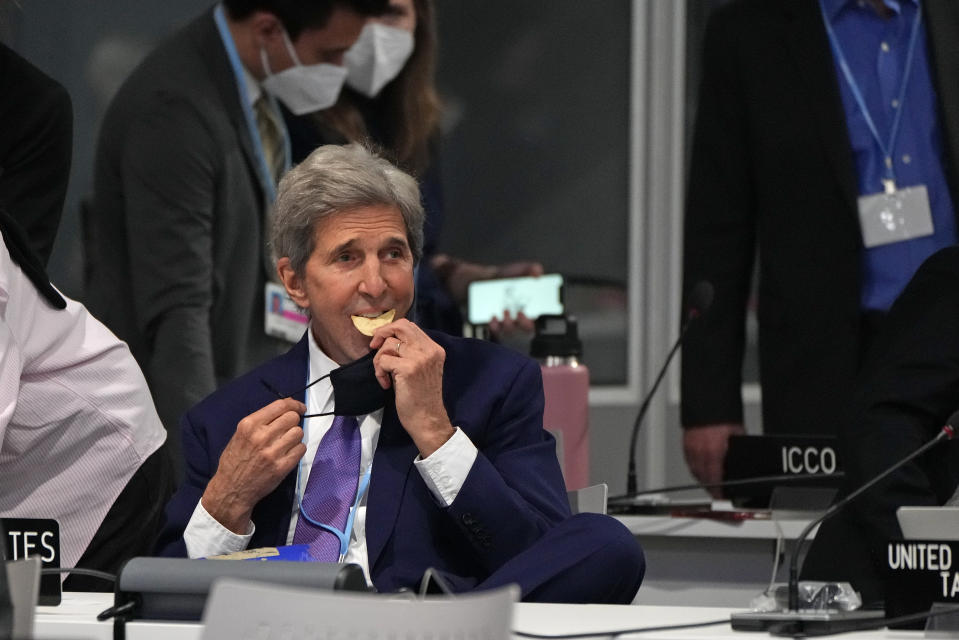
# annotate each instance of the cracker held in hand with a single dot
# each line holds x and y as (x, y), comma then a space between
(367, 326)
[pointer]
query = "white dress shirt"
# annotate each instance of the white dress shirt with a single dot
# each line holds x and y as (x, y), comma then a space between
(76, 416)
(444, 472)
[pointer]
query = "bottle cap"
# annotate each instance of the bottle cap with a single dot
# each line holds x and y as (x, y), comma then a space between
(556, 335)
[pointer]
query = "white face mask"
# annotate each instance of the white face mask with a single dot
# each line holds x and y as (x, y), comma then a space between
(377, 57)
(304, 88)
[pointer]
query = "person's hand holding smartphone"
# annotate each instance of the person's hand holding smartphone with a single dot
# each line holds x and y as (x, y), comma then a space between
(489, 301)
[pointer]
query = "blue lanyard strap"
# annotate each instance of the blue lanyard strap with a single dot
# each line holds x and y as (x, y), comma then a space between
(265, 175)
(886, 148)
(364, 484)
(342, 536)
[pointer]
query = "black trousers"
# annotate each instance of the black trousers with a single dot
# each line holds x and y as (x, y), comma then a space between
(839, 552)
(131, 526)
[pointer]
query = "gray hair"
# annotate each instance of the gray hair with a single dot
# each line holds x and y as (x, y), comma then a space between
(334, 179)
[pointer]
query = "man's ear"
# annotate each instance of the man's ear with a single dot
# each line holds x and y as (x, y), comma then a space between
(266, 27)
(292, 282)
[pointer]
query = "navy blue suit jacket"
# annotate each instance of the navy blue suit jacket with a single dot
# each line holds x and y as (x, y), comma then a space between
(512, 495)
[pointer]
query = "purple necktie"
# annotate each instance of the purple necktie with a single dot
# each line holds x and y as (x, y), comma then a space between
(330, 489)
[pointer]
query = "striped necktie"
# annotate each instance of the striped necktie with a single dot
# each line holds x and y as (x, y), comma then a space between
(271, 140)
(271, 136)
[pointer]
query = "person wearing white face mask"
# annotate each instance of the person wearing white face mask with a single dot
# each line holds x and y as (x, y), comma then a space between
(188, 158)
(391, 99)
(377, 57)
(303, 88)
(390, 96)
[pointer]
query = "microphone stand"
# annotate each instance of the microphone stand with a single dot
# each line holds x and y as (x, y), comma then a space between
(698, 303)
(946, 433)
(631, 475)
(794, 621)
(782, 478)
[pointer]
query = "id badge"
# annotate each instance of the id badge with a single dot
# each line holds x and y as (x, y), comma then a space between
(894, 216)
(282, 318)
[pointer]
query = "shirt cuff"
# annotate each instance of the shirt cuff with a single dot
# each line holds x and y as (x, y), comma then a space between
(205, 536)
(445, 470)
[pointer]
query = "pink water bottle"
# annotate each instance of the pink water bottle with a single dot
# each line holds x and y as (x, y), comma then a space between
(566, 386)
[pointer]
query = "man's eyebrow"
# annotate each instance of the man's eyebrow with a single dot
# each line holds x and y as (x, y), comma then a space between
(395, 240)
(342, 247)
(392, 241)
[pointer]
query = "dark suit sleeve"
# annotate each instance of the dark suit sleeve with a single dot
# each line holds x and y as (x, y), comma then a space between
(909, 388)
(199, 471)
(720, 233)
(514, 491)
(35, 149)
(169, 163)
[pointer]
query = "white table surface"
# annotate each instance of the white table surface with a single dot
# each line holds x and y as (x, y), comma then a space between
(756, 528)
(711, 560)
(75, 619)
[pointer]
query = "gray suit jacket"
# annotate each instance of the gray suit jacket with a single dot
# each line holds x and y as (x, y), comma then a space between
(176, 250)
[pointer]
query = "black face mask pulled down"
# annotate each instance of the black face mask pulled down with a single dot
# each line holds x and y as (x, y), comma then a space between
(356, 391)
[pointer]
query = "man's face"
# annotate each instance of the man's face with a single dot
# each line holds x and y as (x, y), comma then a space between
(361, 265)
(315, 45)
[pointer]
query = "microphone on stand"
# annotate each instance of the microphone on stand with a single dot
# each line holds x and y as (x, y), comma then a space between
(777, 479)
(796, 622)
(698, 303)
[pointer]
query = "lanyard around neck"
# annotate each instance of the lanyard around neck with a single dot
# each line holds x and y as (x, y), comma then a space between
(886, 147)
(364, 483)
(342, 536)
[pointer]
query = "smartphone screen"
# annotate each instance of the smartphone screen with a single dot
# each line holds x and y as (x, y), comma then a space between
(533, 296)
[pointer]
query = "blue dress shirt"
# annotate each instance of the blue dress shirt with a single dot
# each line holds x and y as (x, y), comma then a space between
(875, 50)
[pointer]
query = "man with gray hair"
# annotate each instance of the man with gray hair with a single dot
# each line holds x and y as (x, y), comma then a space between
(375, 442)
(187, 161)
